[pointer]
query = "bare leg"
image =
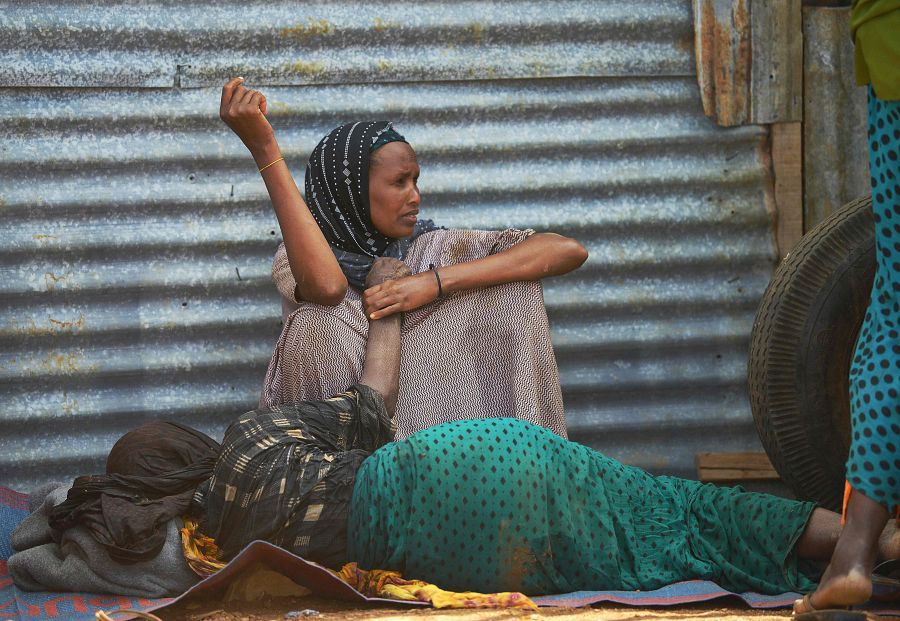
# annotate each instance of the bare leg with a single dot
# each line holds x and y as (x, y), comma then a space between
(864, 538)
(889, 542)
(381, 369)
(820, 535)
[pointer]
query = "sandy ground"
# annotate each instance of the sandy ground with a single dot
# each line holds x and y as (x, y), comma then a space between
(275, 609)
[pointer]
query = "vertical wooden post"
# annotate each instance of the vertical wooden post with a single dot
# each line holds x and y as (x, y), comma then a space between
(787, 168)
(835, 147)
(776, 76)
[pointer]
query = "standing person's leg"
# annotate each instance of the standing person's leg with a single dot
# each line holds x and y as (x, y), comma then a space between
(873, 468)
(848, 579)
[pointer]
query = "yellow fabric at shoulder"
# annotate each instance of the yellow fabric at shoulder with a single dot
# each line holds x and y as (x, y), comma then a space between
(875, 28)
(391, 585)
(200, 551)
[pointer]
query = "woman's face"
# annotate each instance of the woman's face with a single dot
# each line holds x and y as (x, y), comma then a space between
(393, 191)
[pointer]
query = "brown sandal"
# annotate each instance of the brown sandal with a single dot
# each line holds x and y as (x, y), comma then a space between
(836, 614)
(811, 613)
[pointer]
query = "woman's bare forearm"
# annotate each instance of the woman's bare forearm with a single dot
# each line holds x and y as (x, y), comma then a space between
(381, 366)
(381, 369)
(539, 256)
(317, 273)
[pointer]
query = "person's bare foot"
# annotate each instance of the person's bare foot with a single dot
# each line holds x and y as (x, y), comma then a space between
(384, 269)
(848, 579)
(841, 591)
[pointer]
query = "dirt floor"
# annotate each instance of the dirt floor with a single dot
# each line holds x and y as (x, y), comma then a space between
(276, 609)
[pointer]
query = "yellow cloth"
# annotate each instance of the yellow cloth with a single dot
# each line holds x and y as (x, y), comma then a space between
(201, 554)
(390, 584)
(875, 28)
(200, 551)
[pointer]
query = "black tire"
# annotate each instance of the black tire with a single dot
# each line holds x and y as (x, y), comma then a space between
(802, 343)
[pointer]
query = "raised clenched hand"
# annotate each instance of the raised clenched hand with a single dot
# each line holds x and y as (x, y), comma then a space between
(244, 111)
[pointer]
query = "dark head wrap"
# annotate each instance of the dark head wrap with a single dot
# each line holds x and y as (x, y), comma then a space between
(337, 192)
(151, 475)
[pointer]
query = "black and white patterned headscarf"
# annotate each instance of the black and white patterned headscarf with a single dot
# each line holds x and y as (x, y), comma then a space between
(337, 192)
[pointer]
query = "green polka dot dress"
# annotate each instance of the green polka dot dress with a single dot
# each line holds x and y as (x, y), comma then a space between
(499, 504)
(873, 466)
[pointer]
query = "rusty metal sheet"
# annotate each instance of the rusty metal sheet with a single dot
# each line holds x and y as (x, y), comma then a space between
(723, 55)
(749, 60)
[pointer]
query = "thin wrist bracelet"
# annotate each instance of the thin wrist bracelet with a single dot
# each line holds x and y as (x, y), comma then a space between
(438, 278)
(271, 164)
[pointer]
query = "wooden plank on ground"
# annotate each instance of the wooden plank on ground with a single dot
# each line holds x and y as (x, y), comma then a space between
(724, 467)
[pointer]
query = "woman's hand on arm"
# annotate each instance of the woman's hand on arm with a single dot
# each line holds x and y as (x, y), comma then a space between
(402, 294)
(538, 256)
(314, 267)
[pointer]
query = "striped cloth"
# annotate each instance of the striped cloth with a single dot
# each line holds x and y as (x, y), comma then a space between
(475, 354)
(286, 475)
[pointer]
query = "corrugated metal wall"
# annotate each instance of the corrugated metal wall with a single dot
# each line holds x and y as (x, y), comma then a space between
(137, 236)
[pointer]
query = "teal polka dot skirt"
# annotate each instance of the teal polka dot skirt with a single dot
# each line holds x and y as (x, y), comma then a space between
(500, 504)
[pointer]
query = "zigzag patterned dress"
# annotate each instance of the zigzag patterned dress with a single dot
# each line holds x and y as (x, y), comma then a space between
(470, 355)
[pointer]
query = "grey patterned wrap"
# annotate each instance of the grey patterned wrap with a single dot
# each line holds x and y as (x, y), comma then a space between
(337, 192)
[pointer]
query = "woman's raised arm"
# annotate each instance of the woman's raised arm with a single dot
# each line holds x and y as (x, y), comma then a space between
(317, 273)
(538, 256)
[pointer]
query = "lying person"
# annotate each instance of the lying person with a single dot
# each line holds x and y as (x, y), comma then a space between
(495, 504)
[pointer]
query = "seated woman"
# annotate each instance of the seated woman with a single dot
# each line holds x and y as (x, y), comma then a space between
(496, 504)
(363, 202)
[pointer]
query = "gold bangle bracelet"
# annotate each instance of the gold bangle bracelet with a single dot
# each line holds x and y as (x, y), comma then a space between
(271, 164)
